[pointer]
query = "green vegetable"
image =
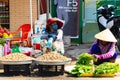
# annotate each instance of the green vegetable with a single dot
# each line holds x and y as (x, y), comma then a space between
(107, 68)
(83, 65)
(81, 69)
(2, 41)
(85, 59)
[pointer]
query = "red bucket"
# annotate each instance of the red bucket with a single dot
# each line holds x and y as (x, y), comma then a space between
(37, 46)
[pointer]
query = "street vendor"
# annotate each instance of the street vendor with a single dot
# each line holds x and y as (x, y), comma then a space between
(55, 35)
(104, 47)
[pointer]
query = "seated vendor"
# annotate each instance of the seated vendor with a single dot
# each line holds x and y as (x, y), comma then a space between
(55, 35)
(104, 47)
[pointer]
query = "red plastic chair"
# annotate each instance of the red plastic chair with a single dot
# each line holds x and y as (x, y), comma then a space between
(25, 28)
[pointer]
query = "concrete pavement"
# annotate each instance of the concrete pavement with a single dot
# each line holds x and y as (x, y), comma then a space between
(75, 50)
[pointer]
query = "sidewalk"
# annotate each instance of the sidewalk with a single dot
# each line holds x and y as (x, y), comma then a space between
(74, 51)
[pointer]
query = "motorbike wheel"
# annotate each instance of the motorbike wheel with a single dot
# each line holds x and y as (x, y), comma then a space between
(117, 35)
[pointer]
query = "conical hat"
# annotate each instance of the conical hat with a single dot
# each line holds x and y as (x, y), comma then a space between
(106, 35)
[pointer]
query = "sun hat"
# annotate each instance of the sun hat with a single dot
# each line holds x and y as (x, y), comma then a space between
(52, 20)
(106, 35)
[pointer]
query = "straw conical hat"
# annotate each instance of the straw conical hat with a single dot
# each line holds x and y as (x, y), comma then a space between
(106, 35)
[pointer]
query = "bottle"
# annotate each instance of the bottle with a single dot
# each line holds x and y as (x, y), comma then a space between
(1, 50)
(3, 6)
(0, 6)
(37, 30)
(5, 49)
(8, 47)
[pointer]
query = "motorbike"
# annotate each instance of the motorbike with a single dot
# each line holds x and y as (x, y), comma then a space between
(107, 19)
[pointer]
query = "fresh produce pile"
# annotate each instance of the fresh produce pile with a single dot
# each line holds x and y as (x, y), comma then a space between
(52, 57)
(106, 68)
(15, 57)
(84, 66)
(81, 69)
(5, 33)
(2, 41)
(85, 59)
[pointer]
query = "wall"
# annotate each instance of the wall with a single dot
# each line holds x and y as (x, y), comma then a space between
(20, 12)
(90, 27)
(89, 30)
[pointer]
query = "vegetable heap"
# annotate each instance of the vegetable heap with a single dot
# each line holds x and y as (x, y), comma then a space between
(85, 59)
(2, 41)
(83, 65)
(81, 69)
(106, 68)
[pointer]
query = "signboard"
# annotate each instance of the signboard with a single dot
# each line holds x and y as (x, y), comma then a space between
(67, 10)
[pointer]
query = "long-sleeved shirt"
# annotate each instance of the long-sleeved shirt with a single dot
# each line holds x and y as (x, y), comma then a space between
(106, 51)
(58, 42)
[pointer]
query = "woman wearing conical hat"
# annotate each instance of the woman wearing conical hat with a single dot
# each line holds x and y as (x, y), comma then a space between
(104, 47)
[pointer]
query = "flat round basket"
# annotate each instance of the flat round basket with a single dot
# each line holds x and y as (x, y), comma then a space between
(16, 62)
(53, 62)
(106, 75)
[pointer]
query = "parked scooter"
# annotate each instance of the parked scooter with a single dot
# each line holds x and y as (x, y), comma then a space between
(107, 19)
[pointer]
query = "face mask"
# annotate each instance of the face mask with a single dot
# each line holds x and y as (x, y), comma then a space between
(55, 27)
